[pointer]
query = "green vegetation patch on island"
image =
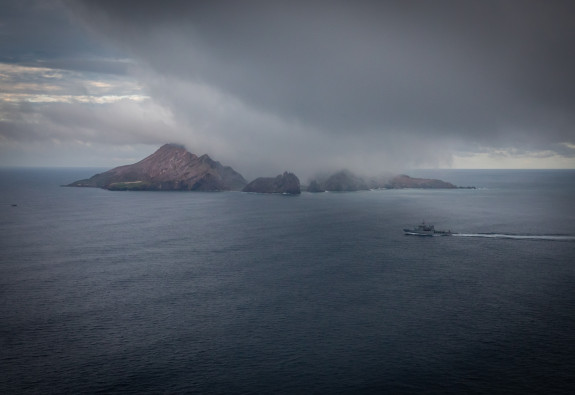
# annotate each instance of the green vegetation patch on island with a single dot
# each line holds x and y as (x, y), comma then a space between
(130, 186)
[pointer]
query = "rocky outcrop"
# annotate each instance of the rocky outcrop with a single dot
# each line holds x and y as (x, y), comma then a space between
(286, 183)
(171, 167)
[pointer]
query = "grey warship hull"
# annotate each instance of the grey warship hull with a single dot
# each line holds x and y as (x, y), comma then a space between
(426, 230)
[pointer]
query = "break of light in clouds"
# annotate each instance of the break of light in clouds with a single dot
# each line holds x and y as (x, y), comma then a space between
(268, 86)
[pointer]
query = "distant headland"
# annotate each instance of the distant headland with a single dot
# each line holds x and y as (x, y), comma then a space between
(173, 168)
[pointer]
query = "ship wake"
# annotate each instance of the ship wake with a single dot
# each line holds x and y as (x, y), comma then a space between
(518, 236)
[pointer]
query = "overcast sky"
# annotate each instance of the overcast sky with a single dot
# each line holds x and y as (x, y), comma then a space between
(310, 86)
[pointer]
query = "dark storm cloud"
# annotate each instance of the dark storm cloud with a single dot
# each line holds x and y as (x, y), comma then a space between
(490, 71)
(43, 34)
(296, 85)
(31, 29)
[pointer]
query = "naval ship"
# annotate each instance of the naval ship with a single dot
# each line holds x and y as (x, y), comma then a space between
(424, 229)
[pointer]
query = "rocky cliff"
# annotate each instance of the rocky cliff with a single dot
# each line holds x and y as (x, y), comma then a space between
(286, 183)
(171, 167)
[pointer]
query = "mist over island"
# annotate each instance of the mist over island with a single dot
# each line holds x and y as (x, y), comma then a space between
(305, 87)
(172, 167)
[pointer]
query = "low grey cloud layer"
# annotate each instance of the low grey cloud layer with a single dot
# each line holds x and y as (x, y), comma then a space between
(309, 86)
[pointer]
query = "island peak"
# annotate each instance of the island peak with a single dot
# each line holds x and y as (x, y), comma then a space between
(171, 167)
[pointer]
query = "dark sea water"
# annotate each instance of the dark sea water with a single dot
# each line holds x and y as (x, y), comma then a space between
(177, 292)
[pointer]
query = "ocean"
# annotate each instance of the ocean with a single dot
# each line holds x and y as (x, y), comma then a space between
(237, 293)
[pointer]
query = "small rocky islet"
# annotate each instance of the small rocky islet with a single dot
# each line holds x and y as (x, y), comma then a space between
(173, 168)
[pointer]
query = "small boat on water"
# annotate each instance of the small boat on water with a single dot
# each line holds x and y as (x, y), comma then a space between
(424, 229)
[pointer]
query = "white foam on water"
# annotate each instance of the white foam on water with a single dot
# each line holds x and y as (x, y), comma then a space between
(519, 237)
